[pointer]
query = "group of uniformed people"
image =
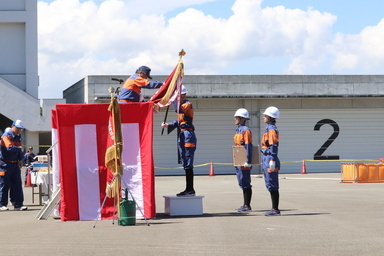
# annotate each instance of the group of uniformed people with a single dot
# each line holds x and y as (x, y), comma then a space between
(11, 153)
(270, 161)
(131, 92)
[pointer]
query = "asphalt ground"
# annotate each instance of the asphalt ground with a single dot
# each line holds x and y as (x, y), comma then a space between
(320, 216)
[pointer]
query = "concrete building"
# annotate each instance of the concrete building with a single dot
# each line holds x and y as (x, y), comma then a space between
(325, 119)
(19, 79)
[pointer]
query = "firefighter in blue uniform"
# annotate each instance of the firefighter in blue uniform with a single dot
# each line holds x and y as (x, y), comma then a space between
(11, 155)
(270, 160)
(243, 137)
(131, 90)
(187, 139)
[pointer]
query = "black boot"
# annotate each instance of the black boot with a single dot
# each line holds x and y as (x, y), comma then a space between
(247, 194)
(275, 199)
(250, 197)
(275, 204)
(189, 190)
(189, 179)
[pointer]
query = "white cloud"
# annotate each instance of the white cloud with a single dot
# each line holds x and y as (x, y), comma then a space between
(364, 51)
(115, 37)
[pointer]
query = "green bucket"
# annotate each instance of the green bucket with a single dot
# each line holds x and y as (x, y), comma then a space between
(127, 211)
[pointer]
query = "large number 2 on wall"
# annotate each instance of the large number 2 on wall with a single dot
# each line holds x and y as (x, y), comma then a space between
(319, 154)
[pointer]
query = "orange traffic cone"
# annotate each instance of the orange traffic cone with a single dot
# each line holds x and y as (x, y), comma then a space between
(211, 170)
(28, 182)
(303, 168)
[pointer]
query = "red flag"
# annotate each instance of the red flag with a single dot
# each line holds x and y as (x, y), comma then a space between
(167, 93)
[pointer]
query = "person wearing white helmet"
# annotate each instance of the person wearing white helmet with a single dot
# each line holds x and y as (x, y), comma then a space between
(243, 137)
(270, 160)
(11, 154)
(131, 90)
(187, 139)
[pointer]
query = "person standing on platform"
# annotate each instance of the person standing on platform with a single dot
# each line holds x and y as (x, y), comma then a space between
(11, 155)
(131, 90)
(243, 137)
(270, 160)
(187, 139)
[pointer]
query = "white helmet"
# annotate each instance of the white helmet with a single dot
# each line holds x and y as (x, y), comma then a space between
(272, 112)
(242, 112)
(183, 90)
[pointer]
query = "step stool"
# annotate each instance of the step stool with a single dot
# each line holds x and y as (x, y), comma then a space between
(183, 205)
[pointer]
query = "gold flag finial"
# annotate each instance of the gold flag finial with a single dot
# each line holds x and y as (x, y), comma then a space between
(182, 53)
(111, 90)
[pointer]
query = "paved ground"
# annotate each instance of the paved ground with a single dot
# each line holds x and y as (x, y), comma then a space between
(320, 216)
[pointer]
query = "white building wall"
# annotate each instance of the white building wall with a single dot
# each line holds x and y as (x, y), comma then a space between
(326, 137)
(31, 48)
(18, 47)
(19, 79)
(352, 101)
(360, 136)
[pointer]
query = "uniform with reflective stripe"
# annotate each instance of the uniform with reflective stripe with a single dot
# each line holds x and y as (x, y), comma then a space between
(270, 143)
(10, 154)
(130, 92)
(243, 137)
(187, 138)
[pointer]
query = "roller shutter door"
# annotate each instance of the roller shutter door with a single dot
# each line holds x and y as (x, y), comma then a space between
(332, 135)
(214, 131)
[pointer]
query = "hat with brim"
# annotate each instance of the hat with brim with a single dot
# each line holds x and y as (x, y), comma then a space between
(146, 70)
(18, 124)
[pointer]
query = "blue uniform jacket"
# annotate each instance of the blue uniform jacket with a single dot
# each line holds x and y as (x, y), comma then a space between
(11, 149)
(243, 137)
(132, 88)
(270, 144)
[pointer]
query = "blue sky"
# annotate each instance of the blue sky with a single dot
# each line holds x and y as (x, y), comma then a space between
(80, 38)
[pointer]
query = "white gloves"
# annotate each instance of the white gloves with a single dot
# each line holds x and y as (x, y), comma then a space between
(272, 165)
(246, 165)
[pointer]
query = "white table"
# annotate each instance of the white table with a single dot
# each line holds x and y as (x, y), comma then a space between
(44, 182)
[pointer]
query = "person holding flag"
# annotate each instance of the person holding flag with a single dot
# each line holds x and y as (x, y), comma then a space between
(187, 139)
(131, 90)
